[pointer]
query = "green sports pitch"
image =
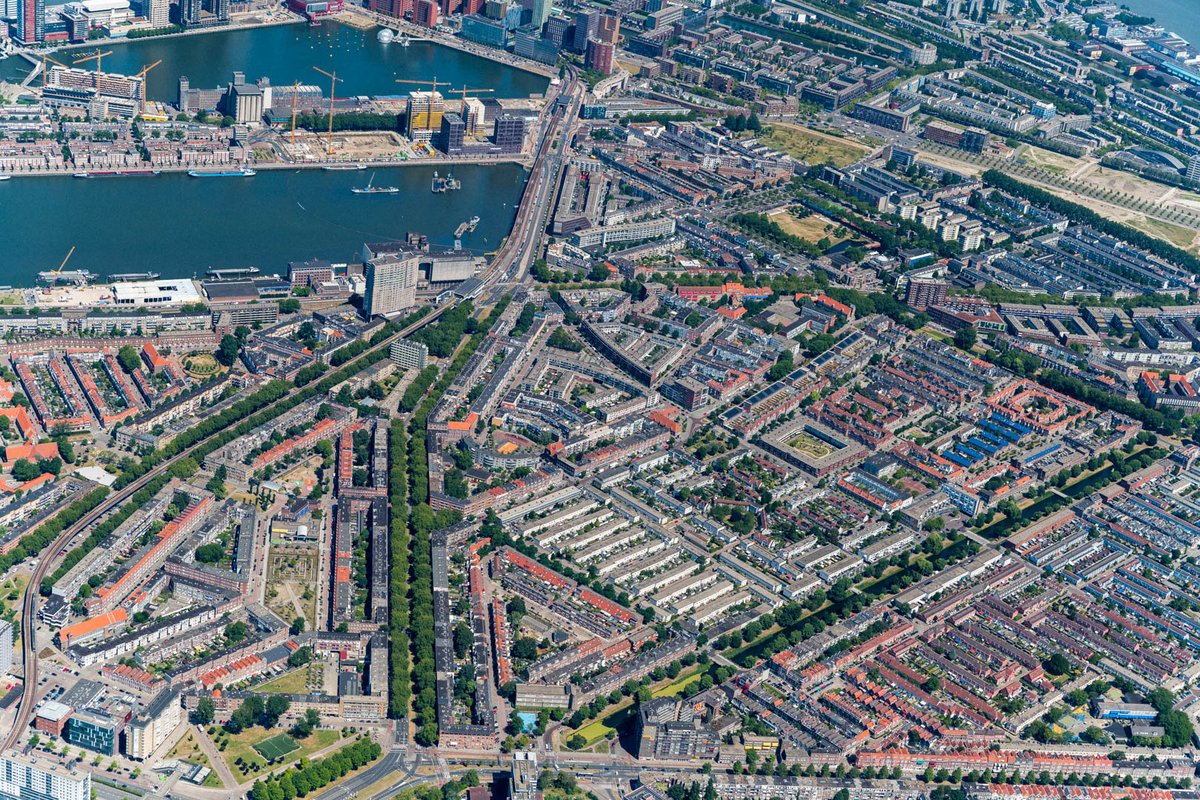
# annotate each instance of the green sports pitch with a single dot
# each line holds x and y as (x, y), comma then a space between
(276, 747)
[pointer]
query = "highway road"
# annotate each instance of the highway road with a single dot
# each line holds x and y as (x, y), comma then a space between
(509, 267)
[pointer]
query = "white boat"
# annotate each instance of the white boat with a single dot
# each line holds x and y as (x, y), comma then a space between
(371, 188)
(340, 167)
(5, 177)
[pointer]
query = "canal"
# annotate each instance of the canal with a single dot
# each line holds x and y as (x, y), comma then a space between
(181, 226)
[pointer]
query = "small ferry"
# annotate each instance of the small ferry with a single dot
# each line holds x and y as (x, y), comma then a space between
(134, 276)
(371, 188)
(244, 172)
(119, 173)
(232, 272)
(5, 177)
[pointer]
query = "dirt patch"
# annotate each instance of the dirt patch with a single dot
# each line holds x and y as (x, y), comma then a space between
(812, 146)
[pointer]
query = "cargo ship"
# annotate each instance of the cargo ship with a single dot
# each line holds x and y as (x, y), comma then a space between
(73, 277)
(446, 184)
(371, 188)
(119, 173)
(340, 167)
(229, 173)
(134, 276)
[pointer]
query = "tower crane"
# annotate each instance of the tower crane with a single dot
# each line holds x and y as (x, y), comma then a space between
(434, 83)
(142, 75)
(295, 98)
(98, 57)
(45, 69)
(463, 97)
(333, 80)
(70, 253)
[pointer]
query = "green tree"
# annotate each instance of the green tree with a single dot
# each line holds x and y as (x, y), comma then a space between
(128, 358)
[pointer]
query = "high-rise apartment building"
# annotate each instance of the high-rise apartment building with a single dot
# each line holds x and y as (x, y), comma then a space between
(541, 13)
(391, 283)
(586, 23)
(427, 13)
(557, 30)
(510, 133)
(608, 30)
(31, 779)
(425, 109)
(31, 21)
(450, 137)
(408, 354)
(157, 12)
(600, 56)
(151, 726)
(1193, 168)
(473, 114)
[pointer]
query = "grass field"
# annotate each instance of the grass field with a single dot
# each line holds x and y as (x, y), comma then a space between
(242, 747)
(294, 682)
(201, 364)
(681, 685)
(276, 747)
(811, 446)
(1175, 234)
(813, 147)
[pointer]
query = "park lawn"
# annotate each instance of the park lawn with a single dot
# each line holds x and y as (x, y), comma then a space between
(813, 147)
(594, 731)
(1177, 235)
(188, 749)
(680, 685)
(241, 746)
(294, 682)
(10, 598)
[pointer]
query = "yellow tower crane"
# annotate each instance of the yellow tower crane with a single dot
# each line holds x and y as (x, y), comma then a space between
(463, 97)
(46, 70)
(333, 80)
(295, 98)
(434, 83)
(142, 75)
(98, 57)
(64, 261)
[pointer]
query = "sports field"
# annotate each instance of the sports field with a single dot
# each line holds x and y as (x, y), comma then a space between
(276, 747)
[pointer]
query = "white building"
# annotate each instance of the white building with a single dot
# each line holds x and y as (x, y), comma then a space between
(31, 779)
(103, 12)
(391, 284)
(149, 729)
(407, 354)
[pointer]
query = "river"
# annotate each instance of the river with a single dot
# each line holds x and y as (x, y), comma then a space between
(1178, 16)
(180, 226)
(288, 53)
